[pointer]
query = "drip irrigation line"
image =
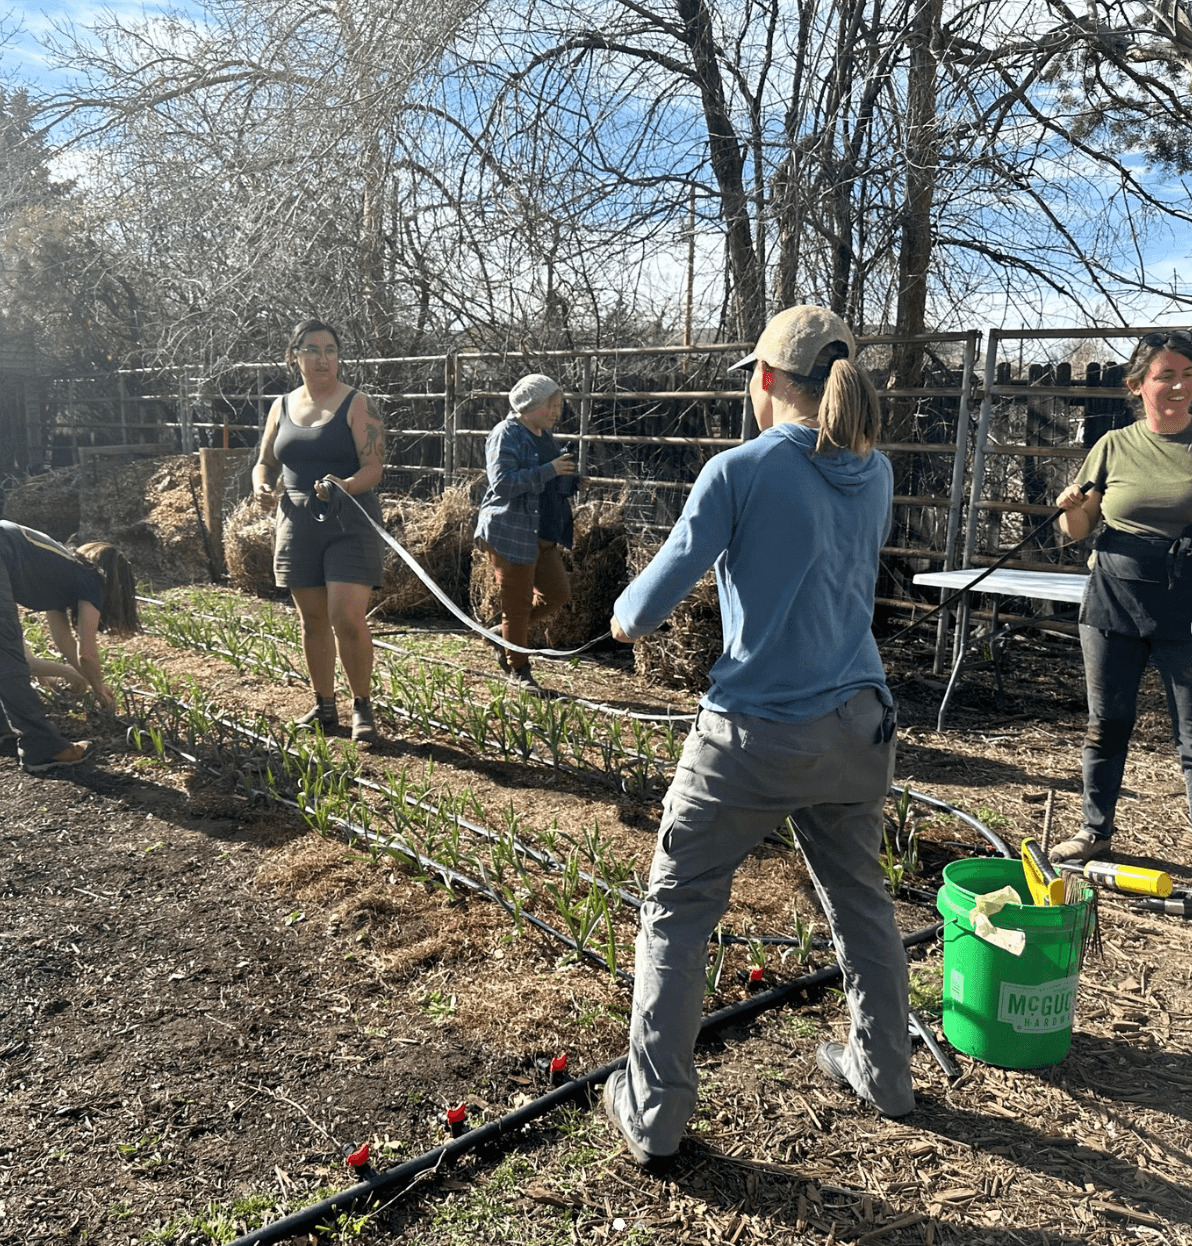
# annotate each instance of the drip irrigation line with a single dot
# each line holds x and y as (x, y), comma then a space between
(548, 863)
(995, 840)
(600, 706)
(500, 1130)
(401, 712)
(397, 846)
(671, 716)
(545, 860)
(551, 863)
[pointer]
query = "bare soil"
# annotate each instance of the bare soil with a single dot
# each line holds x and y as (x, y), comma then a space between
(202, 1000)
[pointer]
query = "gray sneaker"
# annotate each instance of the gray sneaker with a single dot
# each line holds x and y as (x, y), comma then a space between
(641, 1157)
(829, 1060)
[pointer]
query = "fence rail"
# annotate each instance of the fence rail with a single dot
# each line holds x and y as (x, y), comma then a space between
(979, 452)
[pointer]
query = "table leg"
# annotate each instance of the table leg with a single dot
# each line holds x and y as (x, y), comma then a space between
(962, 618)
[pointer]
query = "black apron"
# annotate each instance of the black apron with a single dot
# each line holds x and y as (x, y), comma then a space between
(1140, 586)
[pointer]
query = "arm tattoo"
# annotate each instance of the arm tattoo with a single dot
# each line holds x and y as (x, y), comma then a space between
(374, 432)
(374, 442)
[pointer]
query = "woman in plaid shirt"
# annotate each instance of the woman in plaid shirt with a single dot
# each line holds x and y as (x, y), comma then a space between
(525, 516)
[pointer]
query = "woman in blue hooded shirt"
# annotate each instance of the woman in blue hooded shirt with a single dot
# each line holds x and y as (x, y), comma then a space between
(525, 517)
(798, 720)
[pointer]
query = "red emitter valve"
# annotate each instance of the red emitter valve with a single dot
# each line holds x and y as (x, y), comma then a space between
(558, 1070)
(357, 1158)
(457, 1120)
(755, 975)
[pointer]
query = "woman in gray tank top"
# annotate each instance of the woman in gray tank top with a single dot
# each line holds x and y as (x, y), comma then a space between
(325, 431)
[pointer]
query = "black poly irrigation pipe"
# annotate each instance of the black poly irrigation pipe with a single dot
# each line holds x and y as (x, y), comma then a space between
(977, 825)
(744, 1009)
(494, 1131)
(337, 1204)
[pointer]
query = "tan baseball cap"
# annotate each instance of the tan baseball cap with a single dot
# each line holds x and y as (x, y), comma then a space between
(795, 338)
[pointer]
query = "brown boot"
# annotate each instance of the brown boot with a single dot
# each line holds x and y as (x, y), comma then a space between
(322, 714)
(69, 756)
(364, 727)
(1083, 846)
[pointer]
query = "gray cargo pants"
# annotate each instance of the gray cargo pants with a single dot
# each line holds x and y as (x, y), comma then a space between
(736, 781)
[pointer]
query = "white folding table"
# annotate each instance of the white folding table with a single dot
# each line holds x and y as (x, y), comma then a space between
(1003, 582)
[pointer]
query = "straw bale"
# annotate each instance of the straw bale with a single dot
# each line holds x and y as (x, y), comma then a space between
(598, 571)
(681, 654)
(48, 503)
(439, 536)
(149, 509)
(248, 549)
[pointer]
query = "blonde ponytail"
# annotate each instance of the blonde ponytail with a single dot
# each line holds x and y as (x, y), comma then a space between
(850, 416)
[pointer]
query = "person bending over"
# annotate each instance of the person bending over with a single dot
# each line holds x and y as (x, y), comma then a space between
(80, 592)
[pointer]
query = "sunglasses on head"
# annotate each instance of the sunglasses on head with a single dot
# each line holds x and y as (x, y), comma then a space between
(1178, 338)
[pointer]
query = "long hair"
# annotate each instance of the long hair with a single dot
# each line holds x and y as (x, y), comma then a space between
(850, 414)
(119, 611)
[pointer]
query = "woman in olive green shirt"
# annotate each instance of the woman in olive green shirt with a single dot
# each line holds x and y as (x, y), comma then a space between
(1137, 607)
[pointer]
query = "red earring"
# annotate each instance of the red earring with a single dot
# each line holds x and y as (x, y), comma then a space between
(767, 378)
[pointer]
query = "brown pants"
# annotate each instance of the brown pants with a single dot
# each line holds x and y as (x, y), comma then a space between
(530, 593)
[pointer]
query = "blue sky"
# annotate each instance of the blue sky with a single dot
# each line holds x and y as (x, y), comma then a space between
(23, 62)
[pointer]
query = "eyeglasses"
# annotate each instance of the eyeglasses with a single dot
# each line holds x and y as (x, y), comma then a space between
(315, 352)
(1179, 338)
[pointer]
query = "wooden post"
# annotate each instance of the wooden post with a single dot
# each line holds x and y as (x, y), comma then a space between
(213, 469)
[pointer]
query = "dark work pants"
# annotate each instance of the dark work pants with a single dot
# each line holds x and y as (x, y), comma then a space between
(1113, 668)
(20, 703)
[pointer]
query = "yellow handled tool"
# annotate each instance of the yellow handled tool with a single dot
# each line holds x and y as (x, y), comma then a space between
(1046, 886)
(1131, 879)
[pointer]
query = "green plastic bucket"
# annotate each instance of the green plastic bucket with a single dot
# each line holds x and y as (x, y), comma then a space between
(1012, 1011)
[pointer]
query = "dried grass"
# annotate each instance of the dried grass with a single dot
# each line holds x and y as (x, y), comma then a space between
(439, 535)
(150, 508)
(248, 549)
(47, 503)
(682, 653)
(147, 508)
(598, 571)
